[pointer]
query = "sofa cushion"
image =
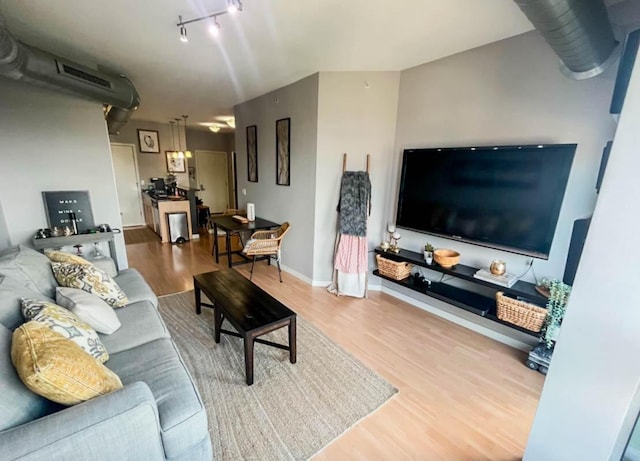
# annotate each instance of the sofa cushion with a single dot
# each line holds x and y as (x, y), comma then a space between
(57, 368)
(11, 292)
(67, 324)
(89, 308)
(30, 267)
(92, 280)
(136, 288)
(183, 418)
(18, 404)
(141, 323)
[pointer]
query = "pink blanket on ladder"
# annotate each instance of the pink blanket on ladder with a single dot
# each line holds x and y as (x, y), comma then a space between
(351, 257)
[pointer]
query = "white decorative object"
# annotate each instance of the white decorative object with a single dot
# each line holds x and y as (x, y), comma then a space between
(251, 212)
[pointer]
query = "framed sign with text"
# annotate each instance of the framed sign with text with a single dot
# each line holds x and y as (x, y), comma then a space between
(59, 204)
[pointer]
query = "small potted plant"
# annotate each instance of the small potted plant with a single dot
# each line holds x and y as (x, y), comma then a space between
(428, 253)
(540, 356)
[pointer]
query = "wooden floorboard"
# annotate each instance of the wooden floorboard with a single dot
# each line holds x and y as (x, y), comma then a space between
(134, 235)
(462, 396)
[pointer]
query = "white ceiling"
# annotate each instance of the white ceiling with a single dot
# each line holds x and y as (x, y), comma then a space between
(270, 44)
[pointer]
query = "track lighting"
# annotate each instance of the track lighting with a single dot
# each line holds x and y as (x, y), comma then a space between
(183, 32)
(233, 6)
(214, 28)
(214, 128)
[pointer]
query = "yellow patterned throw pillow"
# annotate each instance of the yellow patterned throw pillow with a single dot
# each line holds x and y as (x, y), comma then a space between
(92, 280)
(67, 324)
(62, 257)
(57, 368)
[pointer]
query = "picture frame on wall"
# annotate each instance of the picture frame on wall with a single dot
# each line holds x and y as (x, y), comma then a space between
(252, 153)
(148, 141)
(175, 165)
(283, 152)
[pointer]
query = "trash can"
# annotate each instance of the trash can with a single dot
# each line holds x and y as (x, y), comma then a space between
(178, 227)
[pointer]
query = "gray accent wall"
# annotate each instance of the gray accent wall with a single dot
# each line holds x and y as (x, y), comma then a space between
(357, 115)
(508, 92)
(294, 203)
(52, 141)
(590, 398)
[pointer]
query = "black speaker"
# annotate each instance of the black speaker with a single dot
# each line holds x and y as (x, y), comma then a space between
(578, 237)
(603, 165)
(627, 60)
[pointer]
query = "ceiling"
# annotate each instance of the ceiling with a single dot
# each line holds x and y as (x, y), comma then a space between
(271, 43)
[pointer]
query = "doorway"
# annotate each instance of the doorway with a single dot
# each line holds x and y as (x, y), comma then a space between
(212, 173)
(125, 167)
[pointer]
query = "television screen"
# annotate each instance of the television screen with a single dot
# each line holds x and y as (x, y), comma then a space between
(505, 197)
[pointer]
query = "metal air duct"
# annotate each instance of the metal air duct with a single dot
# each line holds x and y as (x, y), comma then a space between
(20, 61)
(579, 32)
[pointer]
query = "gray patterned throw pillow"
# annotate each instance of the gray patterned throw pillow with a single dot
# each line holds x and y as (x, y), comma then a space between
(66, 323)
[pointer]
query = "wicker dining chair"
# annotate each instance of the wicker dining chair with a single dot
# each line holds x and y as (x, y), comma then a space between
(266, 243)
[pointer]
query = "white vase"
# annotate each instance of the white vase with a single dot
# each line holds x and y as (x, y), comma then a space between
(428, 256)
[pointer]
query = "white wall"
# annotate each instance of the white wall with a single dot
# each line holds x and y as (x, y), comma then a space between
(509, 92)
(358, 120)
(590, 398)
(51, 141)
(294, 203)
(154, 165)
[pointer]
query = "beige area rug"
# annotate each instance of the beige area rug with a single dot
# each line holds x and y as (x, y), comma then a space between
(292, 410)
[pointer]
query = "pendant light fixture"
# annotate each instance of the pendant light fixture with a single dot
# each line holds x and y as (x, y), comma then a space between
(173, 152)
(187, 153)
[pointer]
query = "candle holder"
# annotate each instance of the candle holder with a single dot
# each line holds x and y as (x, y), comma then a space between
(393, 242)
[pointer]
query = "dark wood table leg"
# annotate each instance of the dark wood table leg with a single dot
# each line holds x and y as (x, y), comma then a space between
(196, 290)
(293, 353)
(228, 241)
(215, 242)
(217, 323)
(248, 358)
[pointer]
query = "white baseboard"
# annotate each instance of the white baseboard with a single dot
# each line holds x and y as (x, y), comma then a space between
(297, 274)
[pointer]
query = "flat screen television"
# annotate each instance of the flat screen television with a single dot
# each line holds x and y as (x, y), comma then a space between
(504, 197)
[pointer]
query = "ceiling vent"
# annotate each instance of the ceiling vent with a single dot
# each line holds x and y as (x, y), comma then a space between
(20, 61)
(579, 31)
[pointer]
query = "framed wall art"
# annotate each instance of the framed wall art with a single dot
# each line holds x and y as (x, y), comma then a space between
(60, 204)
(252, 153)
(148, 141)
(283, 152)
(175, 165)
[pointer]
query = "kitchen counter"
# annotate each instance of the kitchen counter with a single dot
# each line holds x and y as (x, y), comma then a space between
(155, 211)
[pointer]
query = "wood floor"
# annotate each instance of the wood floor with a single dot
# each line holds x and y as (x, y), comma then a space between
(461, 395)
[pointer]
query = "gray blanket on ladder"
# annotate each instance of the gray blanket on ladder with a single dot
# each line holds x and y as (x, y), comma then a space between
(355, 203)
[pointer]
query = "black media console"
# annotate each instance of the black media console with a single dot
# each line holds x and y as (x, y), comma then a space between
(466, 299)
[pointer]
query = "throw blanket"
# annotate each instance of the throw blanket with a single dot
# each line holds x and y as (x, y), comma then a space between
(355, 203)
(350, 256)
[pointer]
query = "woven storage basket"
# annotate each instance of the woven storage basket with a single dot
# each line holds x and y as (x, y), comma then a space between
(521, 313)
(392, 269)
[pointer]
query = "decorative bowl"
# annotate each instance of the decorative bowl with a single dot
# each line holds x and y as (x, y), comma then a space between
(446, 258)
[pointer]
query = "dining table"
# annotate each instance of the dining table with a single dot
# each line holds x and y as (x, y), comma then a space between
(229, 226)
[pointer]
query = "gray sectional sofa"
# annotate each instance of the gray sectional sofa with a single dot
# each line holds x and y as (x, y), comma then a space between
(157, 415)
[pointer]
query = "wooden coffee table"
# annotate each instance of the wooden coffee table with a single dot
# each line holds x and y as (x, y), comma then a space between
(252, 311)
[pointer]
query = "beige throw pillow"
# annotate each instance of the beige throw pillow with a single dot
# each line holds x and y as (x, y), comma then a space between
(92, 280)
(67, 324)
(57, 368)
(89, 308)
